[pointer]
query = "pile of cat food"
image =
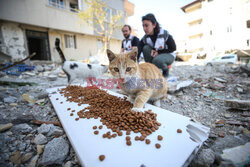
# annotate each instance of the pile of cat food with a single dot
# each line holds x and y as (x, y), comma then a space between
(114, 112)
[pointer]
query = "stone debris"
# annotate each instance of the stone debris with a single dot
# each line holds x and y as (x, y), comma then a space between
(40, 139)
(177, 86)
(236, 103)
(30, 132)
(50, 130)
(33, 162)
(206, 158)
(220, 80)
(239, 155)
(40, 149)
(16, 158)
(51, 150)
(22, 128)
(26, 157)
(5, 127)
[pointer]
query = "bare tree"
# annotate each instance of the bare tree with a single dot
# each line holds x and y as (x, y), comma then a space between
(103, 19)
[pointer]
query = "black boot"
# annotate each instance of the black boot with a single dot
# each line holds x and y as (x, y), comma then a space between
(165, 73)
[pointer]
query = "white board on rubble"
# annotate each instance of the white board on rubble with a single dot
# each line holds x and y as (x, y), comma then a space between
(177, 149)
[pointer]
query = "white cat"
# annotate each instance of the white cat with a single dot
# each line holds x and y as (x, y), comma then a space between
(76, 70)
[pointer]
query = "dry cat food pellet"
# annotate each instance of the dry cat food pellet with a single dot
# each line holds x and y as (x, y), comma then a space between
(157, 145)
(104, 135)
(114, 112)
(179, 131)
(114, 135)
(77, 119)
(73, 110)
(159, 137)
(137, 138)
(94, 127)
(68, 109)
(96, 132)
(142, 138)
(71, 114)
(101, 157)
(100, 127)
(57, 98)
(128, 138)
(147, 141)
(128, 142)
(61, 102)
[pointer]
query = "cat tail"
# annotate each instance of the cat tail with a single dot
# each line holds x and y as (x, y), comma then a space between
(57, 44)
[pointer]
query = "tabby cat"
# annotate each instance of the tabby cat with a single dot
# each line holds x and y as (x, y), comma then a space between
(142, 82)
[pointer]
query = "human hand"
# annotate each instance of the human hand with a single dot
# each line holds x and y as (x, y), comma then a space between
(154, 53)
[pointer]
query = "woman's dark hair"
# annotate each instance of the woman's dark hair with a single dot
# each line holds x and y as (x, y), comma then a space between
(151, 17)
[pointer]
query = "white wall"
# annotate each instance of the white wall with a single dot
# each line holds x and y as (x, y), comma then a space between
(13, 41)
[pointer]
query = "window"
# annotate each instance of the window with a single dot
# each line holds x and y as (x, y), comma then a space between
(228, 57)
(70, 41)
(57, 3)
(73, 7)
(248, 23)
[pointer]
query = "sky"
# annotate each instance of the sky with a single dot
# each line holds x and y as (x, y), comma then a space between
(167, 12)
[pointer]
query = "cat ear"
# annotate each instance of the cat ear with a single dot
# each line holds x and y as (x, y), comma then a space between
(133, 54)
(111, 55)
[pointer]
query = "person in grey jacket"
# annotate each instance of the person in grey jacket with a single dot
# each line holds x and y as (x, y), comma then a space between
(157, 45)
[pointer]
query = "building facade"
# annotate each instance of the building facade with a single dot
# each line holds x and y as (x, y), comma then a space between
(216, 27)
(28, 26)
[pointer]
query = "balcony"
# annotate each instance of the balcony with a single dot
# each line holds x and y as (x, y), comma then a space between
(129, 8)
(194, 15)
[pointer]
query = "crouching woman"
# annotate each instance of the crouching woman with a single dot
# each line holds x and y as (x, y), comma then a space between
(157, 45)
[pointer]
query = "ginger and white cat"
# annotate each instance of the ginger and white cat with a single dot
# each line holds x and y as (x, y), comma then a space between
(142, 82)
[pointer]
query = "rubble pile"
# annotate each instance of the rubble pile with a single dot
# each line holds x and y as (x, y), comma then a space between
(217, 96)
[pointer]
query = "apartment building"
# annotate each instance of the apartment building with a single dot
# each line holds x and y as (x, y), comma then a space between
(216, 27)
(28, 26)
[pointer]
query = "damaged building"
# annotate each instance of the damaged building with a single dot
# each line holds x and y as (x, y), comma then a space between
(28, 26)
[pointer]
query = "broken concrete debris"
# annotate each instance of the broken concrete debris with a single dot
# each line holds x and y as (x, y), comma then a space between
(236, 103)
(29, 125)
